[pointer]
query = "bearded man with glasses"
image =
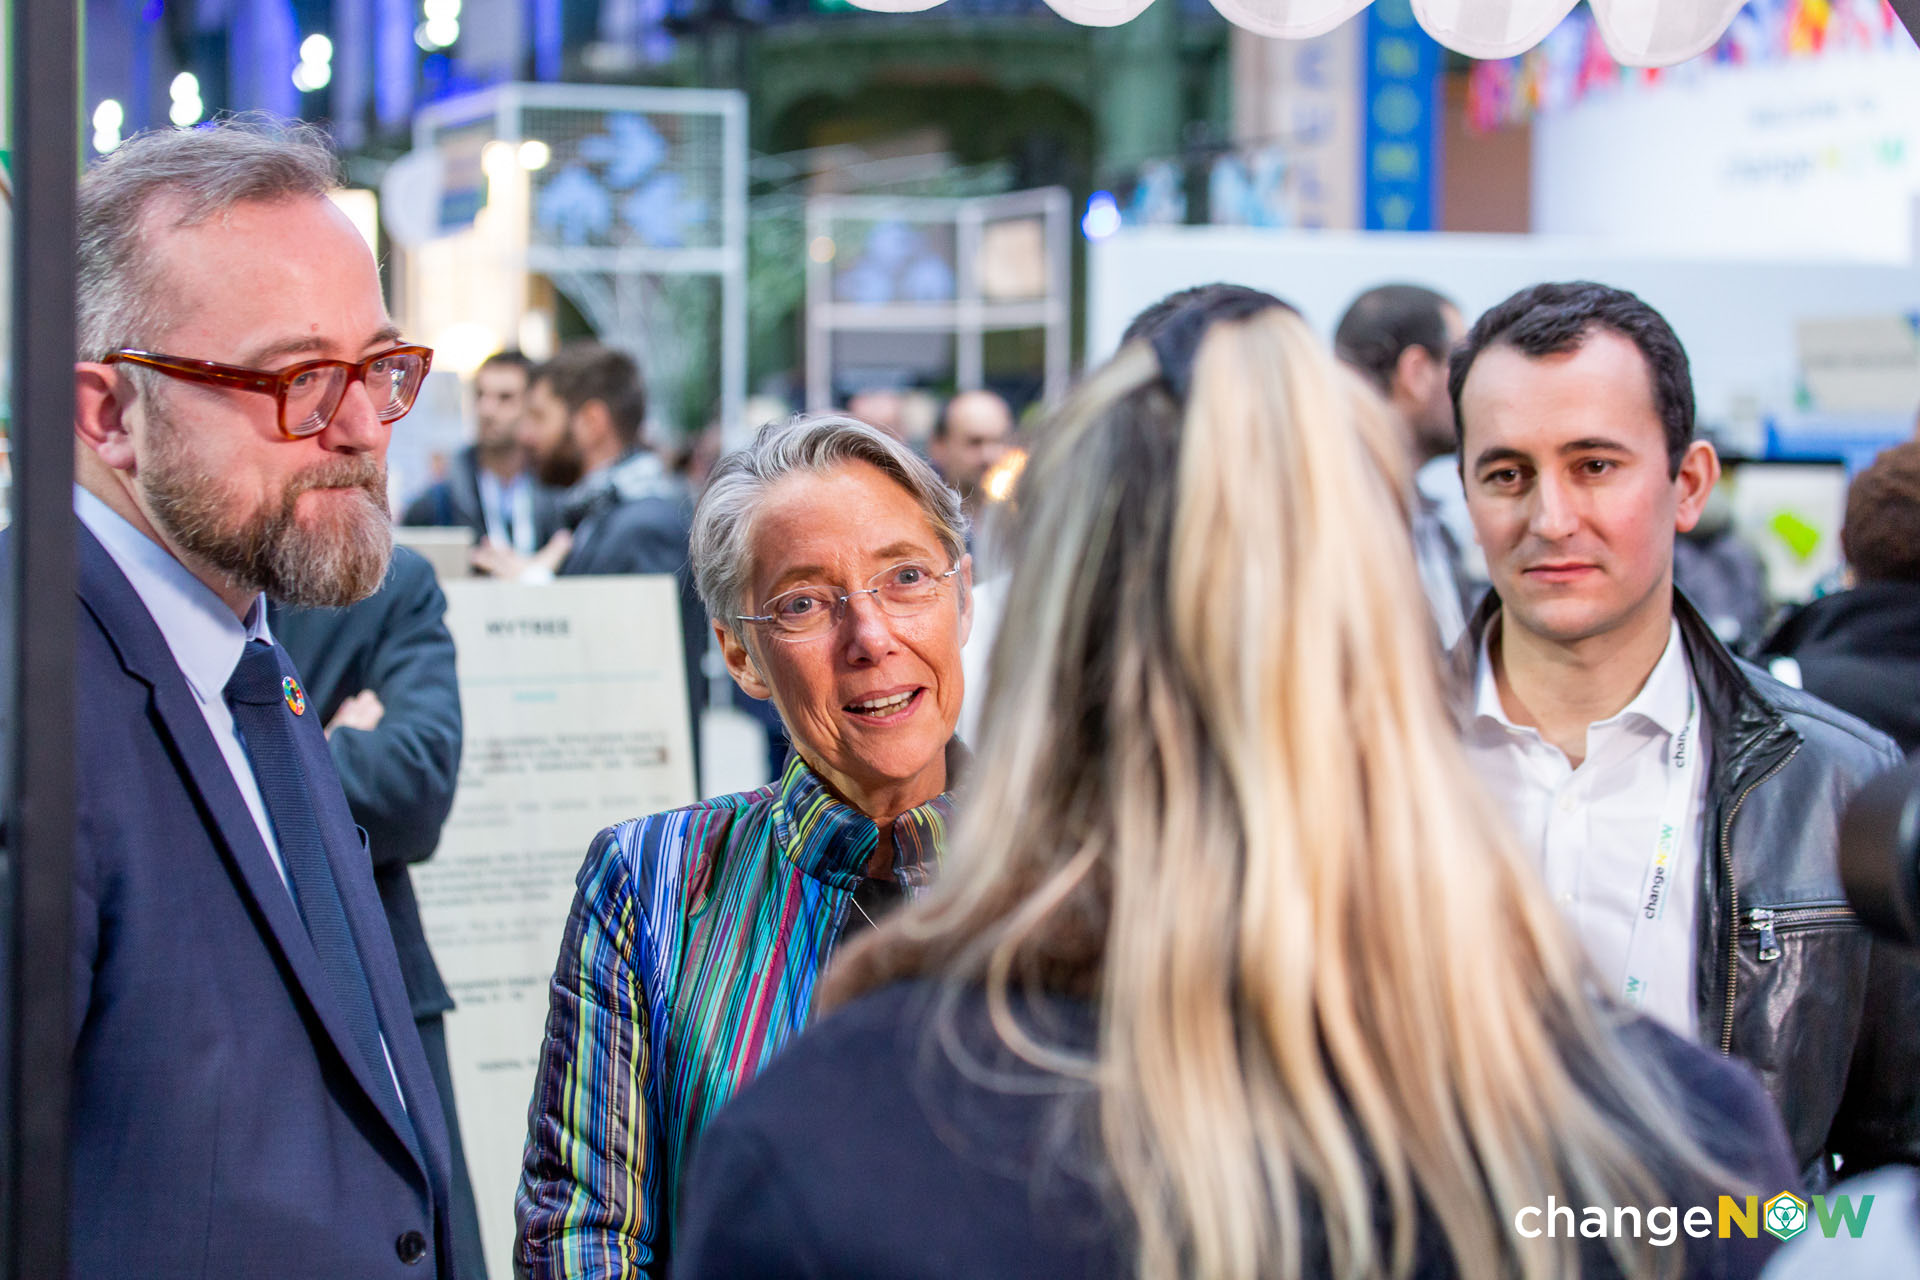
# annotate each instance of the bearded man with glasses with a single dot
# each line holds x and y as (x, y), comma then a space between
(250, 1097)
(832, 561)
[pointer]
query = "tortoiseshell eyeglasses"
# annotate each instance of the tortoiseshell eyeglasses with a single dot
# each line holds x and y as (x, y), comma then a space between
(308, 394)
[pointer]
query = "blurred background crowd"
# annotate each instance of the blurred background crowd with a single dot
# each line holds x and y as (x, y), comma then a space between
(934, 218)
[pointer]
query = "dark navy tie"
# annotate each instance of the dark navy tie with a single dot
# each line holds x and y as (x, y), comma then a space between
(262, 699)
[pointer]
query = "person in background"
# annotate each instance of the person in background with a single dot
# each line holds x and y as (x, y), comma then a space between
(1398, 337)
(1683, 807)
(1233, 972)
(694, 460)
(1860, 648)
(623, 511)
(880, 407)
(971, 434)
(249, 1093)
(919, 415)
(832, 563)
(489, 489)
(1722, 576)
(379, 674)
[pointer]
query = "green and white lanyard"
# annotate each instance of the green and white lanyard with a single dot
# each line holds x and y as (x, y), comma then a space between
(1661, 944)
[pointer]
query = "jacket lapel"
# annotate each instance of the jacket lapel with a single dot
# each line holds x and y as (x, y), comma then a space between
(143, 651)
(1748, 738)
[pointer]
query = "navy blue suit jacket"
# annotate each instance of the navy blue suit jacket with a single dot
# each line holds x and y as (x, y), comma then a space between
(223, 1123)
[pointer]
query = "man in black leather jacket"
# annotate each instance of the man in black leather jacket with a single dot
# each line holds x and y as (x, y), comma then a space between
(1589, 674)
(1823, 1013)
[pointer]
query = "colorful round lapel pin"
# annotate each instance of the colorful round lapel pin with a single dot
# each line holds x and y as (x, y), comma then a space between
(296, 700)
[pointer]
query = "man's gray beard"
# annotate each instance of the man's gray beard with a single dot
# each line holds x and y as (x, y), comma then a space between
(334, 564)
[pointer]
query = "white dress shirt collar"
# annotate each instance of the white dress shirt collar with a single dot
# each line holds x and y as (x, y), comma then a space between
(1662, 701)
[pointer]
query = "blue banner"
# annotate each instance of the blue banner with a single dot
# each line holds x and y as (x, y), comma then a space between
(1401, 162)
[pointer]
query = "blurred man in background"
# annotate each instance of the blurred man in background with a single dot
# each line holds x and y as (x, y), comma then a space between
(881, 407)
(972, 433)
(1398, 337)
(1722, 575)
(1860, 649)
(623, 510)
(488, 488)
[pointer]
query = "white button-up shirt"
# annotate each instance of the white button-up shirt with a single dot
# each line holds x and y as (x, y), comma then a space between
(1594, 830)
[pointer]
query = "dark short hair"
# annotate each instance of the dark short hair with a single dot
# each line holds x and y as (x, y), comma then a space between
(511, 358)
(583, 372)
(1548, 319)
(1881, 536)
(1205, 298)
(1383, 322)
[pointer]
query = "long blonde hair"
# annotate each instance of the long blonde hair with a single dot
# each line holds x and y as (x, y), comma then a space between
(1218, 791)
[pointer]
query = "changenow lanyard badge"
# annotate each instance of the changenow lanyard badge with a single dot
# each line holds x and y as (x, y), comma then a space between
(1660, 935)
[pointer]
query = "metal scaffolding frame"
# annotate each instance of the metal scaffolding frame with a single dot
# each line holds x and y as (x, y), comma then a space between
(969, 315)
(609, 283)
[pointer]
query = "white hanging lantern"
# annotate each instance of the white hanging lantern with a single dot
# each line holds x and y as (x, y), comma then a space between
(1639, 33)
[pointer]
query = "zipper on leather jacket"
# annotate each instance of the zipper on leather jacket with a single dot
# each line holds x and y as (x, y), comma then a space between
(1733, 894)
(1768, 922)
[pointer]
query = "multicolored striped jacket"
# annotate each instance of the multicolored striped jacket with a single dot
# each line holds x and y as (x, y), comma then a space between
(690, 958)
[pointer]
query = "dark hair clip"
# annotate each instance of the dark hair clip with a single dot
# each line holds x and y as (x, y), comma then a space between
(1177, 339)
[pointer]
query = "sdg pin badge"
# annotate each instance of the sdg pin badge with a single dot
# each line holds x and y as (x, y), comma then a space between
(296, 700)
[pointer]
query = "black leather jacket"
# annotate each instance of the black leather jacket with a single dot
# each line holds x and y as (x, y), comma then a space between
(1788, 980)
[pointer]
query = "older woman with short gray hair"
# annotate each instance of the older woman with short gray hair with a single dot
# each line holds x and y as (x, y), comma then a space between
(832, 562)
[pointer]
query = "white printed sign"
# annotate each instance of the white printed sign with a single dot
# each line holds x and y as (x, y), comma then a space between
(576, 718)
(1865, 364)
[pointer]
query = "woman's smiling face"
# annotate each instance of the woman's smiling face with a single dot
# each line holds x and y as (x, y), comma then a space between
(871, 702)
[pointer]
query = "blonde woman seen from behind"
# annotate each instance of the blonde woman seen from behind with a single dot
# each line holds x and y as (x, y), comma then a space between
(1233, 973)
